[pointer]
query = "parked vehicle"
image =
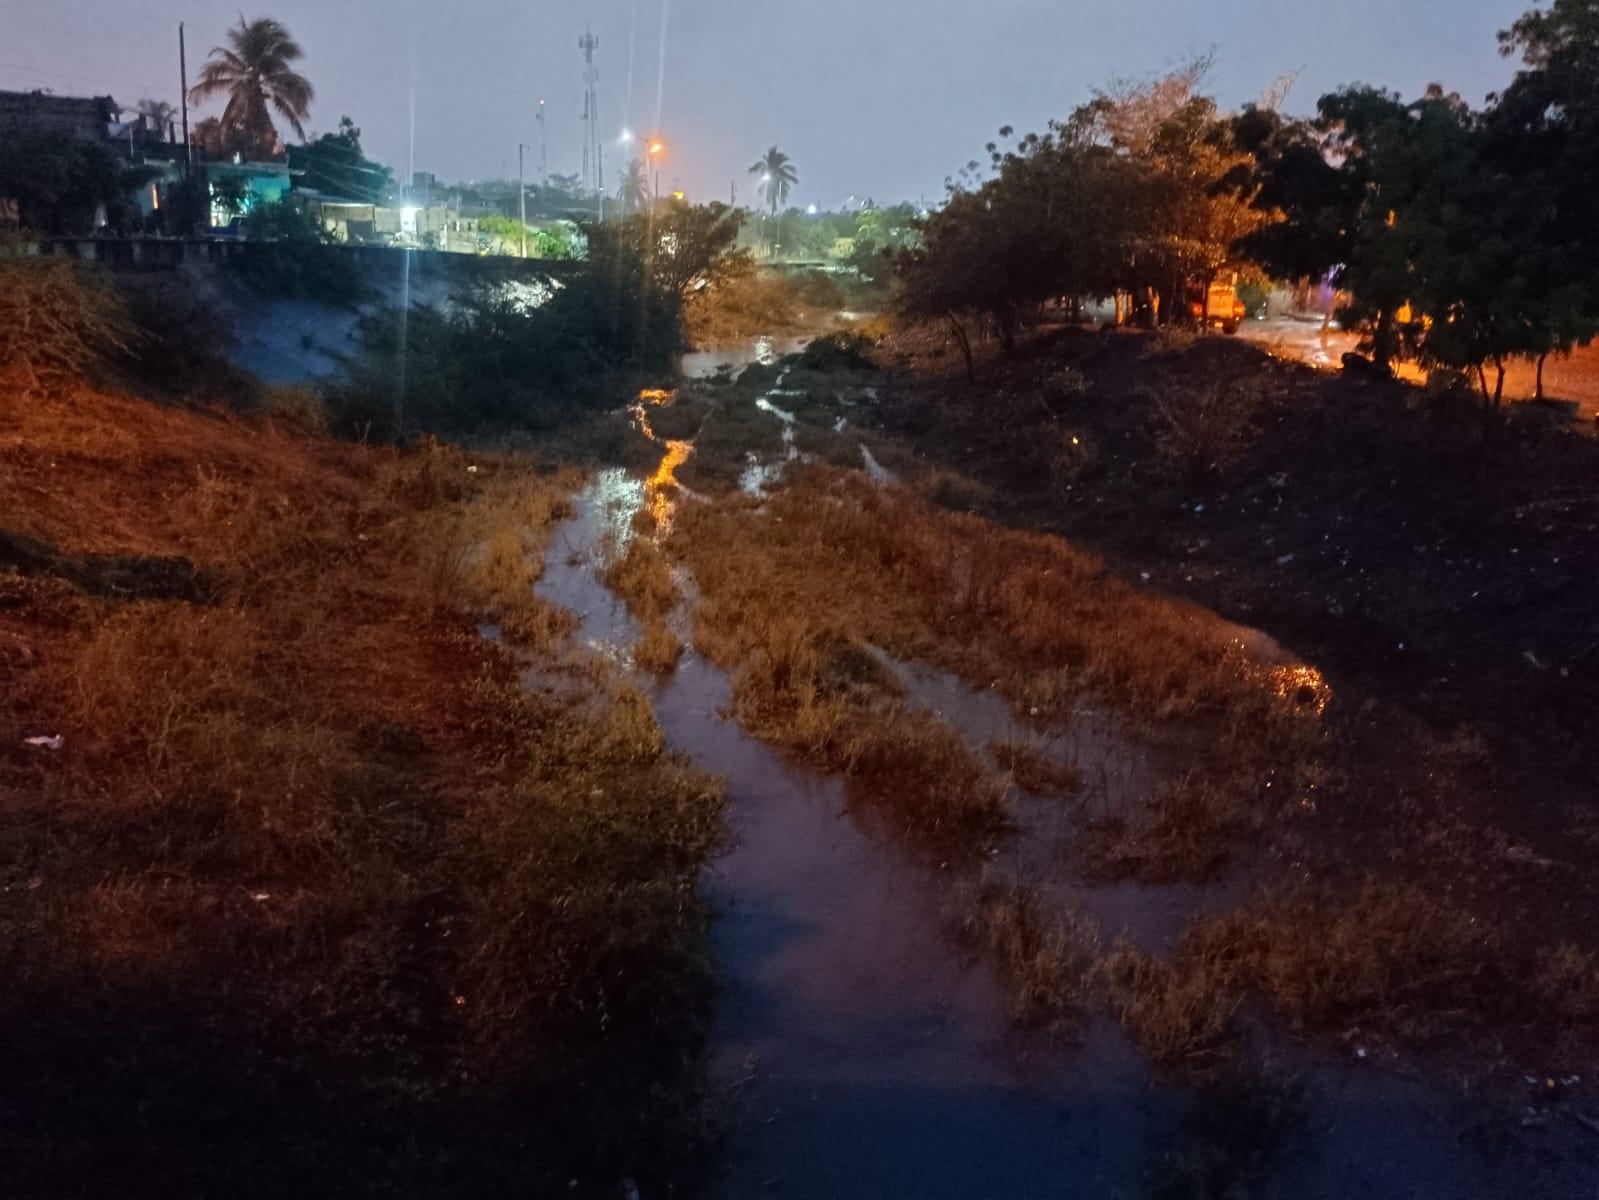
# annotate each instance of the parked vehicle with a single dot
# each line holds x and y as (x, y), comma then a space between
(1221, 308)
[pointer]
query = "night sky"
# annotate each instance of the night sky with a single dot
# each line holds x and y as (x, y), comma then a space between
(879, 98)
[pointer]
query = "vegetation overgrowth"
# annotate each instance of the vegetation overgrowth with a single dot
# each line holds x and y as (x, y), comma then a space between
(311, 895)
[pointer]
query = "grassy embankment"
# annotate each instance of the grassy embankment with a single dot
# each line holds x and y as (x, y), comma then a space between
(314, 897)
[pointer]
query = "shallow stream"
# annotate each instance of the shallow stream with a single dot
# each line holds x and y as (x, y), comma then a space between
(862, 1051)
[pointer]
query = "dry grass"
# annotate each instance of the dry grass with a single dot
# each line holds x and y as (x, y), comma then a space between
(1178, 1012)
(1186, 832)
(833, 561)
(58, 322)
(1387, 955)
(829, 699)
(1047, 958)
(316, 831)
(1034, 770)
(643, 578)
(1209, 424)
(1567, 980)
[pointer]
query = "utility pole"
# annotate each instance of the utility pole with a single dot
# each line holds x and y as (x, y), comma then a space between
(183, 96)
(544, 150)
(521, 194)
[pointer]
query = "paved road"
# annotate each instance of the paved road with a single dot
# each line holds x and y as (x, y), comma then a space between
(1575, 378)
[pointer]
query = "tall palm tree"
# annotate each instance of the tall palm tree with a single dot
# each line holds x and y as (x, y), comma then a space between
(777, 177)
(254, 71)
(635, 190)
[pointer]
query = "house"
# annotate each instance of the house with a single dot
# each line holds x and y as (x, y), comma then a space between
(89, 117)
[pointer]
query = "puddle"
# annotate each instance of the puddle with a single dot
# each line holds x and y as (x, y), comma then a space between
(703, 364)
(758, 476)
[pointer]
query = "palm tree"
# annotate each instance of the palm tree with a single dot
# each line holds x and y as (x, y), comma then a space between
(777, 177)
(635, 190)
(156, 116)
(254, 72)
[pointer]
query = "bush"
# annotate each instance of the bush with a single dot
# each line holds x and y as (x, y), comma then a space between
(292, 255)
(1209, 426)
(838, 352)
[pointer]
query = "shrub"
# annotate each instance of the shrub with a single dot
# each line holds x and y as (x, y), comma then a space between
(1209, 426)
(838, 352)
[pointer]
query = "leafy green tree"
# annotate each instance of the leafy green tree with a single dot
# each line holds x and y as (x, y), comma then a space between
(628, 300)
(335, 165)
(255, 72)
(1542, 145)
(1386, 166)
(58, 182)
(1288, 167)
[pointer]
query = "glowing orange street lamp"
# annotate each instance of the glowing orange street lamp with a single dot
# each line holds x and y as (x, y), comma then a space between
(657, 149)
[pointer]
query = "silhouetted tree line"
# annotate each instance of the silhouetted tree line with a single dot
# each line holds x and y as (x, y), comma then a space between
(1464, 238)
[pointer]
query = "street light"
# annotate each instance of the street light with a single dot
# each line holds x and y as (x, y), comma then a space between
(657, 149)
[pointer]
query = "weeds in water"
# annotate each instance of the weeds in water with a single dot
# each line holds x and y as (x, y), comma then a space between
(1178, 1011)
(1390, 955)
(1187, 832)
(1034, 770)
(1047, 957)
(831, 559)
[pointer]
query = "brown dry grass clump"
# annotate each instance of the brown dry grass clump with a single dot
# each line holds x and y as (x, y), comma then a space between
(1177, 1011)
(832, 560)
(643, 578)
(315, 897)
(1380, 956)
(1048, 958)
(803, 688)
(1035, 771)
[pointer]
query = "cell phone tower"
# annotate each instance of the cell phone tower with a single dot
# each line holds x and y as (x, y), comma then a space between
(593, 165)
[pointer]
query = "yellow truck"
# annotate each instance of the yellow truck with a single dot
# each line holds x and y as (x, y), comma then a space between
(1221, 308)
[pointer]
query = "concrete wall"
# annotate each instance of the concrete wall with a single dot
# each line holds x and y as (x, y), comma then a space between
(285, 340)
(122, 254)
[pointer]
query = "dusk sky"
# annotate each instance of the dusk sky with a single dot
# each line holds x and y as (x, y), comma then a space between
(880, 98)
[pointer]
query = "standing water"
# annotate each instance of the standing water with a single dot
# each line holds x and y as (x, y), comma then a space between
(860, 1051)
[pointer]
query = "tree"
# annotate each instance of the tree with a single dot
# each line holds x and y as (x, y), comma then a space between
(157, 116)
(777, 176)
(1371, 133)
(1292, 177)
(255, 72)
(629, 298)
(634, 192)
(58, 182)
(336, 165)
(1542, 140)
